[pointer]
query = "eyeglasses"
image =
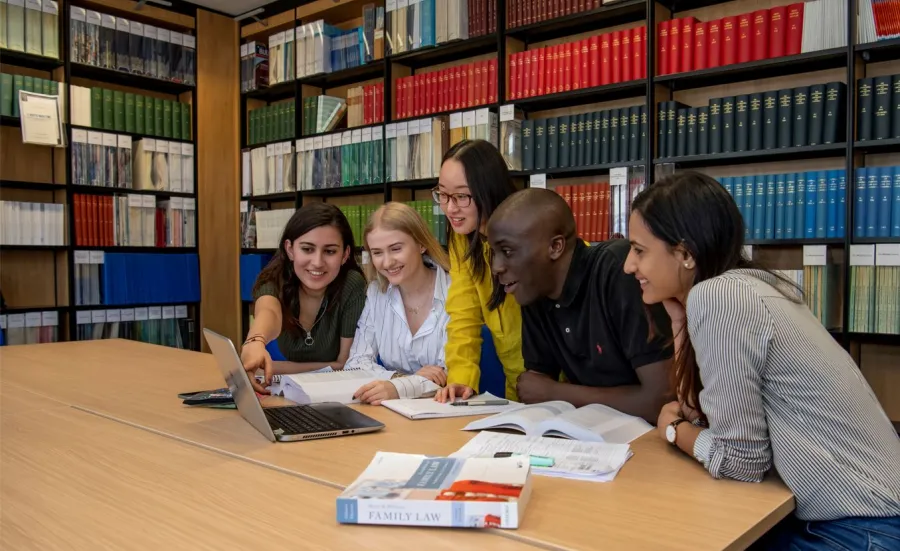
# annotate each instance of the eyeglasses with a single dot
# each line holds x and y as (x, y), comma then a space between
(461, 200)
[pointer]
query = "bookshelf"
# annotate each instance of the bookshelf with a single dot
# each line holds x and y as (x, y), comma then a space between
(61, 287)
(524, 26)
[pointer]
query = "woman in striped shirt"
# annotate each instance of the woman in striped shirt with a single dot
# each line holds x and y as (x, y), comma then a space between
(761, 382)
(404, 322)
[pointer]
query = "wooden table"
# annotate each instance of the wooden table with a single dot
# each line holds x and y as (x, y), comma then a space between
(660, 499)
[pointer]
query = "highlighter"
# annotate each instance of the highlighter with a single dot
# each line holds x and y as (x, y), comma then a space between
(533, 460)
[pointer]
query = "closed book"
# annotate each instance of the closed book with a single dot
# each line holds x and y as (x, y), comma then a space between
(702, 130)
(835, 120)
(681, 132)
(579, 140)
(790, 183)
(662, 57)
(692, 131)
(596, 145)
(831, 230)
(756, 121)
(881, 130)
(118, 111)
(793, 40)
(714, 44)
(729, 33)
(884, 200)
(562, 140)
(801, 116)
(715, 126)
(859, 202)
(761, 36)
(108, 110)
(552, 143)
(749, 207)
(745, 38)
(662, 141)
(97, 107)
(645, 128)
(6, 94)
(865, 108)
(800, 206)
(821, 204)
(634, 132)
(728, 124)
(687, 44)
(614, 136)
(769, 232)
(701, 45)
(759, 207)
(895, 106)
(785, 117)
(816, 114)
(624, 133)
(742, 123)
(770, 119)
(777, 30)
(129, 113)
(527, 144)
(809, 230)
(605, 121)
(540, 144)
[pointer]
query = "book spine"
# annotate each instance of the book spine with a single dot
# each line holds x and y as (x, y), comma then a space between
(681, 133)
(728, 124)
(866, 105)
(770, 120)
(400, 512)
(882, 103)
(801, 116)
(692, 131)
(835, 121)
(756, 121)
(715, 126)
(785, 117)
(742, 123)
(816, 113)
(662, 130)
(895, 106)
(702, 130)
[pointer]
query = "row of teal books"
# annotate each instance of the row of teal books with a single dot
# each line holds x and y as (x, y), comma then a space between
(876, 206)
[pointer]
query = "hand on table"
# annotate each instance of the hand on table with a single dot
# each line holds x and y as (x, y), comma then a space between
(376, 392)
(453, 391)
(533, 387)
(433, 373)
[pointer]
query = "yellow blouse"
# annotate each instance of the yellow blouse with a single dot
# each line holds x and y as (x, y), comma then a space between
(467, 302)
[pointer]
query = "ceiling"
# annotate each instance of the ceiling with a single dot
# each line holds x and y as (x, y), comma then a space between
(233, 7)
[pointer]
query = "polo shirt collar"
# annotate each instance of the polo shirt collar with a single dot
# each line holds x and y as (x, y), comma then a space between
(576, 277)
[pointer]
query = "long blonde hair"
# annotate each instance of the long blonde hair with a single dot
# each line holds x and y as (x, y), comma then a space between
(399, 217)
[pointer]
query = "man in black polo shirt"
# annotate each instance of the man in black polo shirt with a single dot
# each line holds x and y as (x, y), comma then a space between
(581, 314)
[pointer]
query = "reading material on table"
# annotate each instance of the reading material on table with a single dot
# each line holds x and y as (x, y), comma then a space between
(416, 490)
(330, 386)
(590, 423)
(427, 408)
(591, 461)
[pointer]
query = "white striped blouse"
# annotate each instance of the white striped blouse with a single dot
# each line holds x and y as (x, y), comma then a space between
(383, 331)
(779, 391)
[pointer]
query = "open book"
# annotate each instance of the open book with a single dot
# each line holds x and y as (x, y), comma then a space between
(326, 386)
(590, 423)
(426, 408)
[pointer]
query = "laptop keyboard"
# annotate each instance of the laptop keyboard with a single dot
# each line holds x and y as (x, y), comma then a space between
(300, 420)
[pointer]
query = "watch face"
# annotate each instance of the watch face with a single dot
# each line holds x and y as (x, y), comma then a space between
(670, 434)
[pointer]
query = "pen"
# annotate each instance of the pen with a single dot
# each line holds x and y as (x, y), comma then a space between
(534, 460)
(481, 403)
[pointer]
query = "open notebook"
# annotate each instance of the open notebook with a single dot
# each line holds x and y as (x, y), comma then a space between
(590, 423)
(326, 386)
(427, 408)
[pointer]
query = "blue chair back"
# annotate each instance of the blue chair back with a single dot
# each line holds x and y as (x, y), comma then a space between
(274, 352)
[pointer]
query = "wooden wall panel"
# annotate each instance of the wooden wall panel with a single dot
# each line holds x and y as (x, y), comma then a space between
(218, 171)
(881, 367)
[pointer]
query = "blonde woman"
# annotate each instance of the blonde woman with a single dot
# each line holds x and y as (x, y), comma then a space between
(404, 322)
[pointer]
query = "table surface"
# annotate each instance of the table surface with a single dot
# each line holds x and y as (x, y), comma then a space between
(660, 499)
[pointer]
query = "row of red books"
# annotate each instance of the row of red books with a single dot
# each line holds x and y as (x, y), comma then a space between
(527, 12)
(687, 44)
(595, 61)
(450, 89)
(590, 204)
(365, 105)
(95, 222)
(482, 17)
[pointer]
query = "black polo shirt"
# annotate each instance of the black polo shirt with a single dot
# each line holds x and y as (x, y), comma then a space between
(597, 332)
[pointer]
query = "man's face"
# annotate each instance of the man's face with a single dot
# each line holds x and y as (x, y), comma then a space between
(521, 258)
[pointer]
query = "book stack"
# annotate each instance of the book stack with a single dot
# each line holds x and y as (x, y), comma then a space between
(135, 278)
(322, 114)
(798, 205)
(878, 108)
(876, 210)
(11, 84)
(687, 44)
(134, 221)
(268, 169)
(272, 122)
(528, 12)
(365, 105)
(161, 165)
(255, 65)
(281, 57)
(30, 328)
(31, 26)
(351, 158)
(115, 43)
(590, 204)
(587, 139)
(166, 325)
(791, 117)
(119, 111)
(412, 25)
(415, 148)
(450, 89)
(433, 217)
(596, 61)
(877, 20)
(26, 223)
(323, 48)
(873, 304)
(820, 291)
(358, 216)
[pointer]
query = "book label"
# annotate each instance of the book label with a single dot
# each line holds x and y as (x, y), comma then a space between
(33, 319)
(862, 255)
(154, 312)
(141, 314)
(181, 311)
(50, 318)
(168, 312)
(507, 112)
(16, 321)
(887, 254)
(127, 314)
(538, 181)
(98, 316)
(96, 257)
(82, 318)
(113, 315)
(815, 255)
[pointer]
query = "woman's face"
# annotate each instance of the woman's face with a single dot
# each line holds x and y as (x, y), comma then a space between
(317, 256)
(395, 254)
(659, 269)
(459, 207)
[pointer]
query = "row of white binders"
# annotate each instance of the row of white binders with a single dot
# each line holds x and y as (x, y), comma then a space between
(27, 223)
(30, 327)
(30, 26)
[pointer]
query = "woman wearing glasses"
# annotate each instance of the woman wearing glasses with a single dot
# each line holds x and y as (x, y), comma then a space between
(473, 182)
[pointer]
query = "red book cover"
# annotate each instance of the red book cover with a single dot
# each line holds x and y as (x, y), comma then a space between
(662, 58)
(409, 89)
(550, 82)
(687, 44)
(700, 45)
(419, 98)
(777, 30)
(398, 97)
(527, 75)
(485, 83)
(428, 100)
(616, 61)
(542, 71)
(585, 45)
(625, 56)
(576, 65)
(714, 44)
(674, 46)
(595, 211)
(793, 40)
(535, 66)
(760, 35)
(605, 59)
(521, 92)
(638, 65)
(729, 40)
(745, 38)
(595, 61)
(492, 79)
(512, 91)
(644, 51)
(94, 238)
(566, 67)
(478, 85)
(379, 102)
(469, 68)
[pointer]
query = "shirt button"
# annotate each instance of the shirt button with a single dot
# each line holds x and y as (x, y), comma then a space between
(567, 330)
(557, 305)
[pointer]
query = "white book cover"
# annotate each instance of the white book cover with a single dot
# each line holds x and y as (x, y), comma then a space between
(416, 490)
(326, 386)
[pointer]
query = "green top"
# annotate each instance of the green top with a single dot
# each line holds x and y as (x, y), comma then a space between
(337, 322)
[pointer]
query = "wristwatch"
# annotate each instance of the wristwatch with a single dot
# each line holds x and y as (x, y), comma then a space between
(670, 430)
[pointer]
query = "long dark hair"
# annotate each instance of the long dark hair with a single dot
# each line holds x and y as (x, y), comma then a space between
(280, 270)
(694, 211)
(489, 184)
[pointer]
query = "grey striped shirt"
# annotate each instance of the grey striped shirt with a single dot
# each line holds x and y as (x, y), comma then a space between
(780, 391)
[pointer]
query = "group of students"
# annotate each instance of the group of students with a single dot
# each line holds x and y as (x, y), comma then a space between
(676, 326)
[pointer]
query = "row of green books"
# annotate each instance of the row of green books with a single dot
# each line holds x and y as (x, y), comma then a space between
(119, 111)
(11, 84)
(271, 123)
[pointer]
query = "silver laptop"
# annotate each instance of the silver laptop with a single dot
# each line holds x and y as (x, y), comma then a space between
(288, 423)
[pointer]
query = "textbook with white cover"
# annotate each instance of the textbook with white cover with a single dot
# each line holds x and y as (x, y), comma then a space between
(417, 490)
(590, 423)
(428, 408)
(330, 386)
